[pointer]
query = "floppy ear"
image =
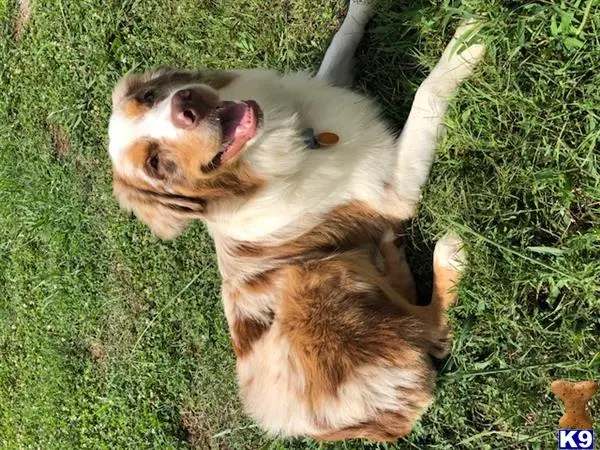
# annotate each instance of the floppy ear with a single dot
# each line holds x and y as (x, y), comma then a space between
(166, 215)
(164, 223)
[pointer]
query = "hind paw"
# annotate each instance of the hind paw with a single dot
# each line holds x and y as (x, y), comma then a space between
(441, 347)
(449, 253)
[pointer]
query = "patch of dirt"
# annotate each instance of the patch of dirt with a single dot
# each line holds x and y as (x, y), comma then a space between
(197, 432)
(22, 19)
(60, 142)
(97, 352)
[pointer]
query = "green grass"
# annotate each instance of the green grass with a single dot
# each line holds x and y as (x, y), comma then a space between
(111, 339)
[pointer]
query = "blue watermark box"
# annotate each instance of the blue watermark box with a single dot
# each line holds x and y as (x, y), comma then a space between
(575, 439)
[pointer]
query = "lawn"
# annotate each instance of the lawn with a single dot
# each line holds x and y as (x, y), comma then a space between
(110, 338)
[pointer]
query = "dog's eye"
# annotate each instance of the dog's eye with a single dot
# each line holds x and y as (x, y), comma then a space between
(159, 166)
(154, 162)
(148, 98)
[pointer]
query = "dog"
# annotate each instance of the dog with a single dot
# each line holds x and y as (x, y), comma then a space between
(303, 188)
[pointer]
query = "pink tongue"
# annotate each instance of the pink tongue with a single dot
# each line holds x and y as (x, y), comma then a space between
(245, 131)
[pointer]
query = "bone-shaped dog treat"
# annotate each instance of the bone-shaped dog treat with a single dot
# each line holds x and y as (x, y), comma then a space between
(575, 397)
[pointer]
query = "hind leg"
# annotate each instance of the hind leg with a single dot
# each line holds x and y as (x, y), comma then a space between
(448, 264)
(395, 267)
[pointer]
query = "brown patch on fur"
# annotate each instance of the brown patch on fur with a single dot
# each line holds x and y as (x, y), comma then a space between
(139, 152)
(60, 142)
(164, 79)
(358, 226)
(350, 226)
(219, 79)
(233, 178)
(337, 318)
(246, 331)
(388, 426)
(259, 283)
(165, 76)
(132, 109)
(22, 19)
(444, 290)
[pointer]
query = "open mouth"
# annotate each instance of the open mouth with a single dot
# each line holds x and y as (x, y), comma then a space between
(239, 123)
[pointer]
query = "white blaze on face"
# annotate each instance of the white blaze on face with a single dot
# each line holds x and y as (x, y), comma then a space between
(154, 124)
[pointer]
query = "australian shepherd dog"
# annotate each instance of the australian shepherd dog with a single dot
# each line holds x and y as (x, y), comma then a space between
(303, 187)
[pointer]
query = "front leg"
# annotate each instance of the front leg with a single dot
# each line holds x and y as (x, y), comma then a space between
(419, 138)
(338, 62)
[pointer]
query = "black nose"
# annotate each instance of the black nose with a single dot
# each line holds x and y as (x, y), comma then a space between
(190, 106)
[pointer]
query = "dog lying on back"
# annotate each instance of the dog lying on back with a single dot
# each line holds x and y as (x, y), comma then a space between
(303, 188)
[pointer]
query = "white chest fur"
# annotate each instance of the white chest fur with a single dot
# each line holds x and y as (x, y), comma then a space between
(304, 182)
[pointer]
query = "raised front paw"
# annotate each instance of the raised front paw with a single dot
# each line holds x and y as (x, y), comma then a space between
(459, 59)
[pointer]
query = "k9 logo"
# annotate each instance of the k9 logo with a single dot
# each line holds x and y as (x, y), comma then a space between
(575, 439)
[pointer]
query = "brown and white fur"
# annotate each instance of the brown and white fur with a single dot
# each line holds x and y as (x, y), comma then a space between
(320, 301)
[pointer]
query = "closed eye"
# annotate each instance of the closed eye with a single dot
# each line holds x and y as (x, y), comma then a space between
(154, 162)
(158, 164)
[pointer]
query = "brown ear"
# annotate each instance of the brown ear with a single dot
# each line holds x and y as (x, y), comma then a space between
(166, 215)
(163, 223)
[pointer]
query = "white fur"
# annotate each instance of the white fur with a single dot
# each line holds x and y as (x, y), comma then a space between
(303, 182)
(374, 388)
(272, 390)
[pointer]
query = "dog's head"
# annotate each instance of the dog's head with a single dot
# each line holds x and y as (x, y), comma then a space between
(176, 146)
